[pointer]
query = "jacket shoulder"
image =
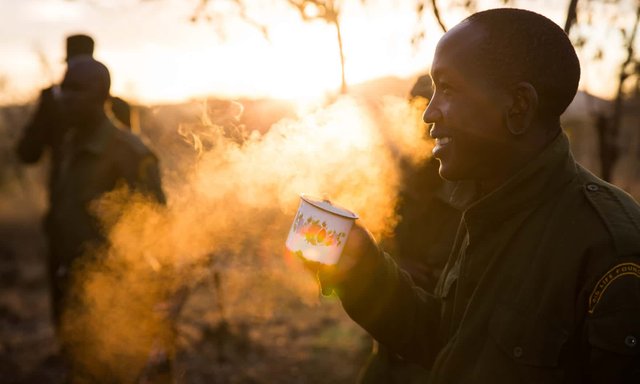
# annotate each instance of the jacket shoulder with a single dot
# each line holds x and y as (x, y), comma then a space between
(617, 209)
(132, 144)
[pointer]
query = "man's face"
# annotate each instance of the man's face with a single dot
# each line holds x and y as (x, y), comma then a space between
(467, 113)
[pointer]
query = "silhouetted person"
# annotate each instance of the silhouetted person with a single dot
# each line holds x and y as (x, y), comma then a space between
(421, 243)
(46, 132)
(95, 158)
(46, 129)
(429, 216)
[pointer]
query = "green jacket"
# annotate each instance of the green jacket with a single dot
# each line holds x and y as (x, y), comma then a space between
(542, 286)
(44, 132)
(427, 225)
(108, 158)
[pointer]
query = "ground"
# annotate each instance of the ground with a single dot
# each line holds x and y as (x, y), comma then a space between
(293, 343)
(284, 337)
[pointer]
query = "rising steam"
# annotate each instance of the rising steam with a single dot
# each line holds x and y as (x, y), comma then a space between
(232, 211)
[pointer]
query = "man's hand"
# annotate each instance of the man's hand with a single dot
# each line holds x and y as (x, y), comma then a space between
(359, 245)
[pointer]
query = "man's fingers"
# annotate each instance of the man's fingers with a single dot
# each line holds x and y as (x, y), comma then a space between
(359, 242)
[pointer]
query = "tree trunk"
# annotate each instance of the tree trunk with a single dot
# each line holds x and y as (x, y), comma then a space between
(572, 16)
(436, 13)
(343, 84)
(609, 149)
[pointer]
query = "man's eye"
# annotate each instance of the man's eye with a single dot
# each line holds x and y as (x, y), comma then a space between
(445, 89)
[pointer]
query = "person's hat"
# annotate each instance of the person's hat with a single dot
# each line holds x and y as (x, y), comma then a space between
(79, 45)
(423, 87)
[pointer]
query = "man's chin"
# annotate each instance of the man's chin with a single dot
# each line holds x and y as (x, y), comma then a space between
(450, 173)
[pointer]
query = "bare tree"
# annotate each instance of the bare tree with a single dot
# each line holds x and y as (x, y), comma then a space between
(572, 16)
(309, 10)
(436, 14)
(583, 16)
(439, 9)
(610, 150)
(202, 11)
(328, 11)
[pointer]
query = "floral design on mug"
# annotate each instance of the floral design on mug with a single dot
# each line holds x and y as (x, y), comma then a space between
(316, 232)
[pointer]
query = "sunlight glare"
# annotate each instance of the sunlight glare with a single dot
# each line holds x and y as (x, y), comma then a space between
(54, 11)
(301, 67)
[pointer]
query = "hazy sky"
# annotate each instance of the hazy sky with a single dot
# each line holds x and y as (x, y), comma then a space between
(155, 54)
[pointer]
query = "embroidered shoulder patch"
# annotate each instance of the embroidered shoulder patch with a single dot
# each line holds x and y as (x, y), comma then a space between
(623, 269)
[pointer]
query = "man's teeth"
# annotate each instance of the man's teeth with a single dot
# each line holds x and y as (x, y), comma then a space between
(443, 140)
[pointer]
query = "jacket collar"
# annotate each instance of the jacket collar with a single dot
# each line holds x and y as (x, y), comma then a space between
(553, 168)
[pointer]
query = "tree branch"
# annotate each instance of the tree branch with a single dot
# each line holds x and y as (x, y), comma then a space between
(572, 16)
(251, 21)
(436, 13)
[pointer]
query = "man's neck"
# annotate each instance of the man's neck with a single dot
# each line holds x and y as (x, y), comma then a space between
(523, 156)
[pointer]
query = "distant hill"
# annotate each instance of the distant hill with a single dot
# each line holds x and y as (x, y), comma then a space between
(389, 85)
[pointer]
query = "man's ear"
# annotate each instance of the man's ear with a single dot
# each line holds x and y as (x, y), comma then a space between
(523, 108)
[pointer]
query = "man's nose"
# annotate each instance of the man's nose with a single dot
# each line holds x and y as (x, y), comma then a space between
(432, 113)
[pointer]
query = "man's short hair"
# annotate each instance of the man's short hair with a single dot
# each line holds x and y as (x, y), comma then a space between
(79, 45)
(525, 46)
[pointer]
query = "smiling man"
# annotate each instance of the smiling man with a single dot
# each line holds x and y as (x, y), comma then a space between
(543, 281)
